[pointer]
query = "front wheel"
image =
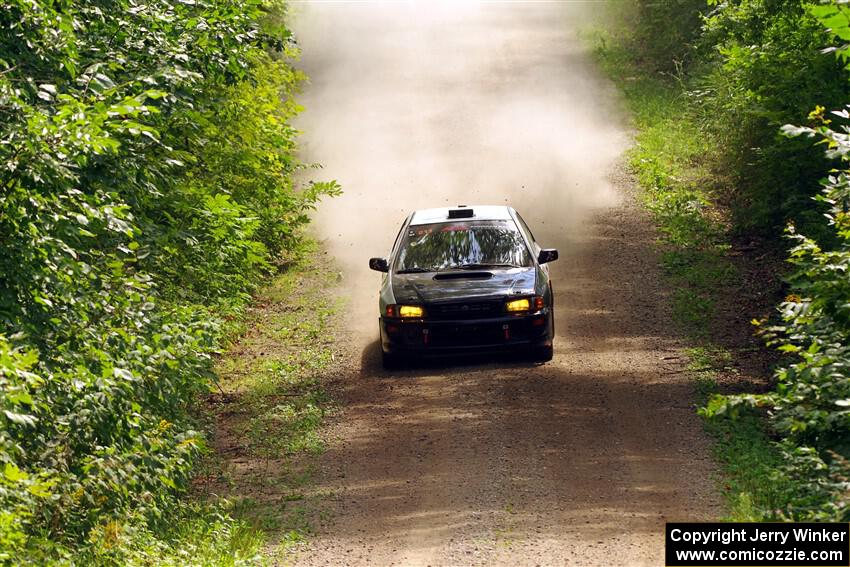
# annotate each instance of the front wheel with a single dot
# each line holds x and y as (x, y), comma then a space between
(544, 353)
(390, 361)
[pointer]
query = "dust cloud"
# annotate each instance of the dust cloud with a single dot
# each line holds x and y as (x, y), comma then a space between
(425, 104)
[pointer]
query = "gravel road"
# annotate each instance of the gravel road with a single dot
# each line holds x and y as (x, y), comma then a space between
(490, 461)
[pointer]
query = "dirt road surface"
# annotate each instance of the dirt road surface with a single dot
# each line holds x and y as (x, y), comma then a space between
(495, 462)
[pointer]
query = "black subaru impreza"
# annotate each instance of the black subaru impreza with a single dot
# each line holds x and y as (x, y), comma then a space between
(465, 279)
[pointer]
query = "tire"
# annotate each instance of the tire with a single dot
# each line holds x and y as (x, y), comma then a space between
(390, 361)
(544, 353)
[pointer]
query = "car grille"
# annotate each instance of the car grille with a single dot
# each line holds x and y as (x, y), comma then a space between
(478, 334)
(465, 310)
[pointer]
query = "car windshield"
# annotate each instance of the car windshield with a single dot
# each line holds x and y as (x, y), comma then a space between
(462, 245)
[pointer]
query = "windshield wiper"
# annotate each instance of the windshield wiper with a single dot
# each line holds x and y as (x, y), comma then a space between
(415, 271)
(480, 266)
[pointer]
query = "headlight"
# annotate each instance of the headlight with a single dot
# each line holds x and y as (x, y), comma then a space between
(413, 311)
(518, 305)
(535, 303)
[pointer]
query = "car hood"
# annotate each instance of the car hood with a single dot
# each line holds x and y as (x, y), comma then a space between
(462, 284)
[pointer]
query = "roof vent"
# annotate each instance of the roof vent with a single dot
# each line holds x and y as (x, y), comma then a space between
(462, 212)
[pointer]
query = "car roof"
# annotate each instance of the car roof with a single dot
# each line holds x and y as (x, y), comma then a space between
(480, 212)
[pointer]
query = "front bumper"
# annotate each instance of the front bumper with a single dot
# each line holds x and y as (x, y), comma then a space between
(423, 336)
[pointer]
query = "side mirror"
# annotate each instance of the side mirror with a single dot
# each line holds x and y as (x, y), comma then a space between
(547, 255)
(380, 264)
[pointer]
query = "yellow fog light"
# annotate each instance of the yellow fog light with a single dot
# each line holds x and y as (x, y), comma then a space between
(518, 305)
(410, 311)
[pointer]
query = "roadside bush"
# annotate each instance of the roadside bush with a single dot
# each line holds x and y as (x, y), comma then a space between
(666, 33)
(765, 69)
(745, 68)
(810, 408)
(145, 187)
(811, 404)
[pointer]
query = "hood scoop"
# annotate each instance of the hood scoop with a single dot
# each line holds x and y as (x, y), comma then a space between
(463, 276)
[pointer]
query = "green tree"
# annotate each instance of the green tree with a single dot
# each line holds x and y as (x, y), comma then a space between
(146, 166)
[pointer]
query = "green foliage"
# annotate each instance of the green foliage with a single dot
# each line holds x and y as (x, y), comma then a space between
(666, 33)
(743, 68)
(196, 535)
(769, 69)
(145, 187)
(835, 18)
(810, 407)
(742, 446)
(750, 461)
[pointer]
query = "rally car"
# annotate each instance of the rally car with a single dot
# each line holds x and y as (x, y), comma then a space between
(465, 279)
